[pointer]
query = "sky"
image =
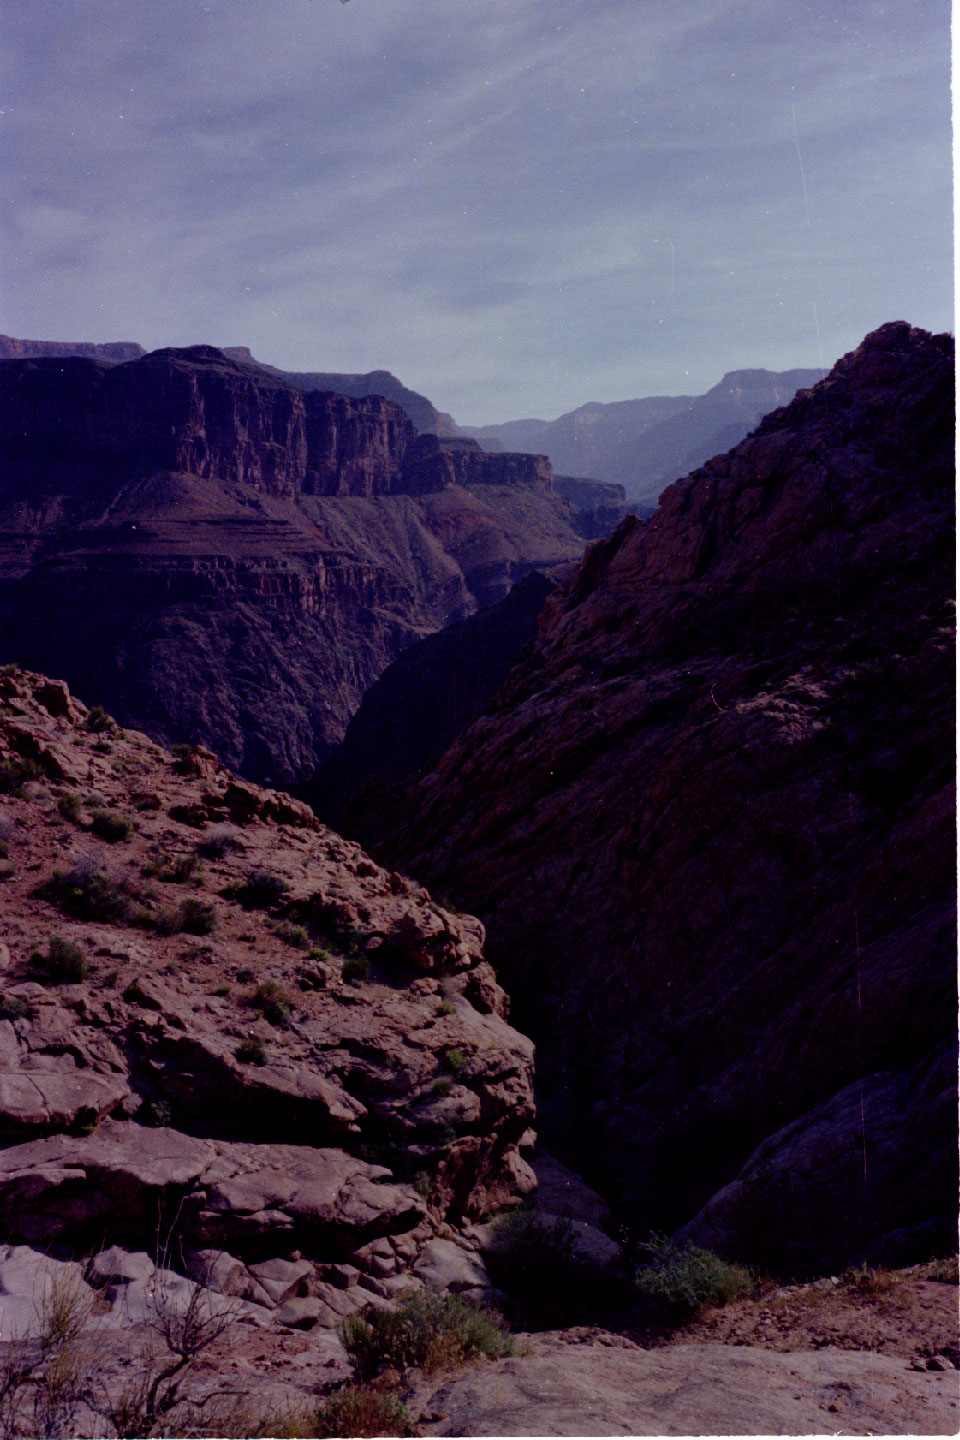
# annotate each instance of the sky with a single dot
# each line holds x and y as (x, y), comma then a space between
(517, 206)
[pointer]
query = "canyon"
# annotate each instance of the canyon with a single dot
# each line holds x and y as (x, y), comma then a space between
(217, 555)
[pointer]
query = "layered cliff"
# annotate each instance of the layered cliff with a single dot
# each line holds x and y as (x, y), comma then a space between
(709, 825)
(219, 556)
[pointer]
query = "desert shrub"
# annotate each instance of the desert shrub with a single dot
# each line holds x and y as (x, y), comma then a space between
(44, 1380)
(356, 969)
(197, 918)
(70, 806)
(425, 1330)
(359, 1410)
(86, 892)
(217, 841)
(454, 1059)
(868, 1280)
(272, 1001)
(539, 1263)
(945, 1270)
(681, 1280)
(62, 964)
(156, 1113)
(111, 827)
(260, 891)
(174, 872)
(15, 772)
(252, 1051)
(98, 721)
(446, 1007)
(12, 1007)
(222, 991)
(293, 935)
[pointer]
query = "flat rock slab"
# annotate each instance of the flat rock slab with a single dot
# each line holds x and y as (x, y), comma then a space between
(692, 1390)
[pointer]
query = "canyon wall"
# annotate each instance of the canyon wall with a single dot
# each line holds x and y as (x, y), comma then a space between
(709, 824)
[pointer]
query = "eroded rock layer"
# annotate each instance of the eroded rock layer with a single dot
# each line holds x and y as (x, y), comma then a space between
(217, 555)
(710, 828)
(226, 1033)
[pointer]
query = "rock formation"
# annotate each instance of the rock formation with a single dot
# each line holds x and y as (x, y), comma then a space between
(709, 825)
(225, 1028)
(219, 556)
(431, 692)
(645, 444)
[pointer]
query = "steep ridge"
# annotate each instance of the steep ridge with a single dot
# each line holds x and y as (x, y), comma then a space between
(435, 688)
(645, 444)
(709, 825)
(218, 556)
(225, 1032)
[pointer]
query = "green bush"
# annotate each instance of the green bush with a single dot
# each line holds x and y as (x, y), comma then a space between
(252, 1051)
(261, 890)
(63, 963)
(425, 1330)
(12, 1007)
(681, 1280)
(360, 1411)
(70, 806)
(455, 1059)
(98, 721)
(294, 935)
(197, 918)
(110, 826)
(272, 1001)
(15, 772)
(539, 1263)
(86, 892)
(356, 969)
(156, 1113)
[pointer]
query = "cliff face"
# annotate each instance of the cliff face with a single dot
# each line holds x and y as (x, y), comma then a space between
(710, 827)
(218, 556)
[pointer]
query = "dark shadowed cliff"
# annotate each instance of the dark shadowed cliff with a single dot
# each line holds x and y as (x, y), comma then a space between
(710, 827)
(217, 555)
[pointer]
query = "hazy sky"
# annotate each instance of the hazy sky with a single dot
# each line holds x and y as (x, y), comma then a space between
(515, 205)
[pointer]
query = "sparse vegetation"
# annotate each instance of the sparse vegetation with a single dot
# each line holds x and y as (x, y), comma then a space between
(293, 935)
(109, 826)
(455, 1060)
(12, 1007)
(15, 773)
(261, 890)
(538, 1261)
(272, 1001)
(217, 841)
(45, 1379)
(356, 969)
(62, 963)
(98, 721)
(196, 917)
(446, 1007)
(252, 1051)
(945, 1270)
(681, 1280)
(359, 1410)
(155, 1113)
(70, 806)
(87, 892)
(425, 1330)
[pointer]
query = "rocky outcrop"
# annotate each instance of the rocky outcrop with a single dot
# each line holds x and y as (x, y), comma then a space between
(227, 1033)
(218, 556)
(709, 824)
(432, 463)
(114, 352)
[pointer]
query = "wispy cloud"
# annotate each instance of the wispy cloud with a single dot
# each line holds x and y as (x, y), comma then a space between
(515, 204)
